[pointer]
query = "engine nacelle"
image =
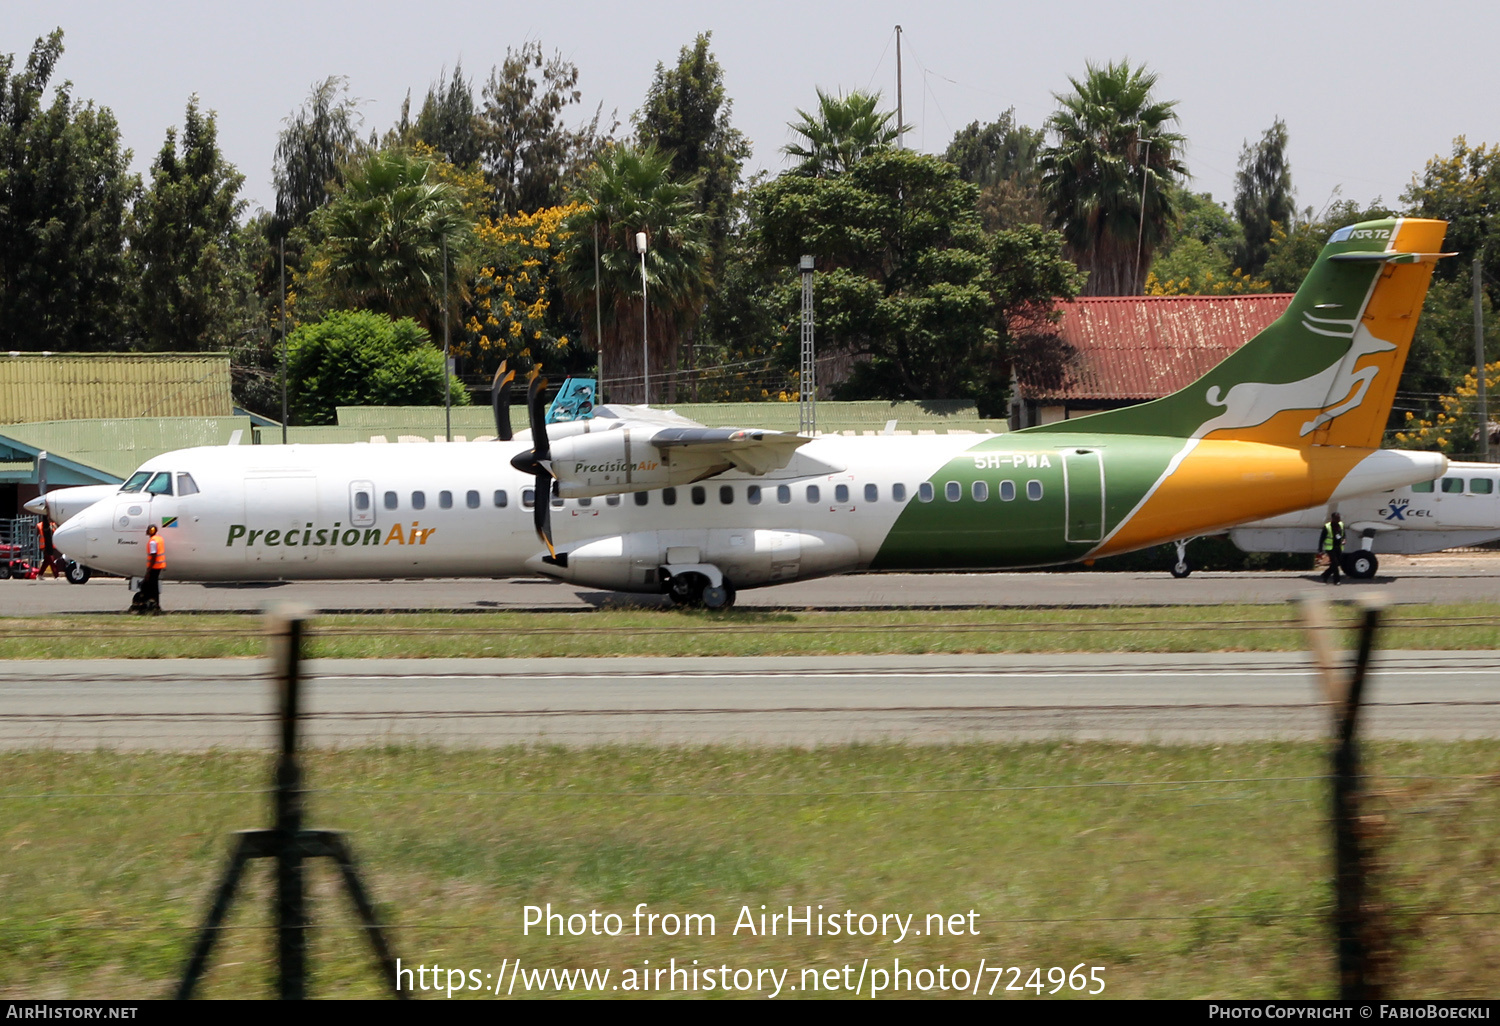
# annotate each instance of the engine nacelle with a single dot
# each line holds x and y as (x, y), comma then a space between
(606, 462)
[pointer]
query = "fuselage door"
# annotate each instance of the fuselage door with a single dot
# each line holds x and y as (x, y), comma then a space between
(362, 504)
(1083, 474)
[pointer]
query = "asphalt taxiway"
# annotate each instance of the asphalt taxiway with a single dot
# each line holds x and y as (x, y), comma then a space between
(1439, 578)
(474, 703)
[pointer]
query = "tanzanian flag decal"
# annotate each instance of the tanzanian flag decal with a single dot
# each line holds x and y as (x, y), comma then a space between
(169, 521)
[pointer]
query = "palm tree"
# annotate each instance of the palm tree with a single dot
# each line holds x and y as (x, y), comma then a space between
(382, 238)
(627, 191)
(1112, 150)
(844, 129)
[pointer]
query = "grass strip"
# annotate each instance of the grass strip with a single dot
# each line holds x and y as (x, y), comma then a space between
(1186, 871)
(670, 632)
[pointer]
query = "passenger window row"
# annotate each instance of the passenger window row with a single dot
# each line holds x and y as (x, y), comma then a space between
(754, 495)
(1455, 486)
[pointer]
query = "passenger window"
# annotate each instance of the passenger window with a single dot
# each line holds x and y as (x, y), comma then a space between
(699, 495)
(669, 496)
(1422, 486)
(586, 501)
(641, 498)
(898, 493)
(557, 502)
(1007, 491)
(752, 495)
(980, 490)
(161, 484)
(1450, 484)
(813, 493)
(726, 494)
(390, 500)
(186, 485)
(611, 500)
(137, 481)
(924, 491)
(501, 499)
(361, 501)
(528, 497)
(952, 490)
(418, 500)
(471, 499)
(1477, 485)
(445, 500)
(840, 493)
(1033, 490)
(783, 493)
(872, 493)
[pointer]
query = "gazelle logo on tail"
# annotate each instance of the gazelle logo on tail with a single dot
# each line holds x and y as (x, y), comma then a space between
(1254, 402)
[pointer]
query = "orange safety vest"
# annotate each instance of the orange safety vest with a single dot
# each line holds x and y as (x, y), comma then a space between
(156, 553)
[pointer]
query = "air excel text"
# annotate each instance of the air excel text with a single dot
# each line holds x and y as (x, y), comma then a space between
(803, 921)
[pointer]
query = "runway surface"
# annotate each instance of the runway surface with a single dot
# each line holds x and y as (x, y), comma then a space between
(1440, 578)
(200, 704)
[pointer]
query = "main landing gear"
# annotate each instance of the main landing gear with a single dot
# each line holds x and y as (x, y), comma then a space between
(698, 585)
(1360, 565)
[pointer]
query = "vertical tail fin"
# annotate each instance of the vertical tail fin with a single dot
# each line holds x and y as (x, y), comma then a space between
(1325, 373)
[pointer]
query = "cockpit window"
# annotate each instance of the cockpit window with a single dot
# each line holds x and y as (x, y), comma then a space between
(137, 481)
(161, 484)
(186, 485)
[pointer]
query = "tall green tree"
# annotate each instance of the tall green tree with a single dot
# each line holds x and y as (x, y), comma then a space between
(908, 281)
(318, 140)
(1263, 196)
(382, 240)
(1002, 159)
(840, 133)
(528, 151)
(186, 248)
(629, 189)
(446, 121)
(1112, 147)
(65, 194)
(686, 114)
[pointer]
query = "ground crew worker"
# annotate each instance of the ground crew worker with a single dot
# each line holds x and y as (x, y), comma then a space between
(47, 558)
(1332, 543)
(148, 599)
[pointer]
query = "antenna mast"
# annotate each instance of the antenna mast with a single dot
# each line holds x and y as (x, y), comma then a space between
(900, 121)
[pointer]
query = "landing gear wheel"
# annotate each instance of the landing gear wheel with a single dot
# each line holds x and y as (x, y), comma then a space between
(1180, 569)
(687, 589)
(77, 573)
(1360, 565)
(721, 597)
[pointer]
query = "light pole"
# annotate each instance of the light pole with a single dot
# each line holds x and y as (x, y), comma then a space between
(640, 247)
(1140, 233)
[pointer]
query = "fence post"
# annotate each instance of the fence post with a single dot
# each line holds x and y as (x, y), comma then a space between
(1358, 936)
(291, 897)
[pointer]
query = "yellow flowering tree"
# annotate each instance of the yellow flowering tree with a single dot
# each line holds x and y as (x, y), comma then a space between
(511, 314)
(1453, 428)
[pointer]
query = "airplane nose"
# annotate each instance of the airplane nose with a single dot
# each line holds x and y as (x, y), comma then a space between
(72, 539)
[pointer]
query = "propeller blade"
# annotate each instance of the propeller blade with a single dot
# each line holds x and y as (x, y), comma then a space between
(500, 400)
(538, 418)
(541, 511)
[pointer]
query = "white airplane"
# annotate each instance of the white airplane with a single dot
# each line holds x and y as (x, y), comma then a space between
(1460, 508)
(641, 500)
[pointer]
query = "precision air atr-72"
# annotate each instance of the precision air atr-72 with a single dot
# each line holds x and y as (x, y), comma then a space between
(640, 500)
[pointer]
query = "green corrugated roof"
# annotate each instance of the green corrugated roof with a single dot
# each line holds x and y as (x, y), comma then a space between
(36, 387)
(117, 447)
(472, 421)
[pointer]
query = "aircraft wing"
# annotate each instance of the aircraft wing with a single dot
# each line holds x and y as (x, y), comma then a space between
(754, 452)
